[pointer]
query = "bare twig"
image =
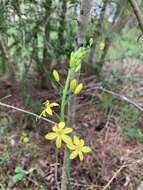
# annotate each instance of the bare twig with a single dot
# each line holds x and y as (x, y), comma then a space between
(119, 170)
(113, 177)
(5, 97)
(121, 97)
(27, 112)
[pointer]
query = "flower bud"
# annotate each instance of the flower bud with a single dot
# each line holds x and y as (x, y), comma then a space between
(102, 45)
(56, 75)
(78, 89)
(73, 85)
(72, 59)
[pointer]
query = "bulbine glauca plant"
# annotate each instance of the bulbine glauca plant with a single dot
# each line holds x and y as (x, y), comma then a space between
(61, 133)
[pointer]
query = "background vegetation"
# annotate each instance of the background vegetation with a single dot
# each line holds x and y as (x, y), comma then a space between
(37, 36)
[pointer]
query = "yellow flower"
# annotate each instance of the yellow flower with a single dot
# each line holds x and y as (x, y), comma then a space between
(78, 148)
(24, 138)
(102, 45)
(73, 85)
(48, 108)
(60, 134)
(56, 75)
(78, 89)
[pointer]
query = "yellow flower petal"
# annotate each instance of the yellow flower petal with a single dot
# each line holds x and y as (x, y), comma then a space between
(53, 104)
(55, 128)
(86, 149)
(80, 156)
(24, 134)
(81, 142)
(46, 103)
(67, 139)
(25, 139)
(61, 125)
(50, 136)
(74, 154)
(48, 110)
(68, 130)
(58, 142)
(76, 140)
(71, 146)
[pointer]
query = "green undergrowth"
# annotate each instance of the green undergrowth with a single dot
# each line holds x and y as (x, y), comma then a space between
(129, 120)
(128, 116)
(126, 45)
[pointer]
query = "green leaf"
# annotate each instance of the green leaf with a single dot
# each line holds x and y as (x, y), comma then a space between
(18, 170)
(18, 177)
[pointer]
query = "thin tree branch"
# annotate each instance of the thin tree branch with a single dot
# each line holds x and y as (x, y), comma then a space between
(137, 12)
(122, 97)
(27, 112)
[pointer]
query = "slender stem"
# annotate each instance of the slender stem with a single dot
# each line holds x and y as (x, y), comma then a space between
(65, 90)
(56, 171)
(5, 97)
(66, 164)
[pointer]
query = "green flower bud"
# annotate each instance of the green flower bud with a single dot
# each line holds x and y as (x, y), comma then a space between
(56, 75)
(78, 89)
(73, 85)
(101, 45)
(72, 59)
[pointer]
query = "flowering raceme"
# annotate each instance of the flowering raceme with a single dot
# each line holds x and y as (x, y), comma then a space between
(48, 108)
(60, 134)
(78, 148)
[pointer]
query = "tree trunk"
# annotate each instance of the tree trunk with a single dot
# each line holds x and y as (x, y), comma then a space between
(9, 64)
(62, 25)
(45, 66)
(116, 26)
(85, 7)
(92, 55)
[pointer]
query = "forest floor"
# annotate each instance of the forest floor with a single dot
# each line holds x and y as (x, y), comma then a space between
(108, 123)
